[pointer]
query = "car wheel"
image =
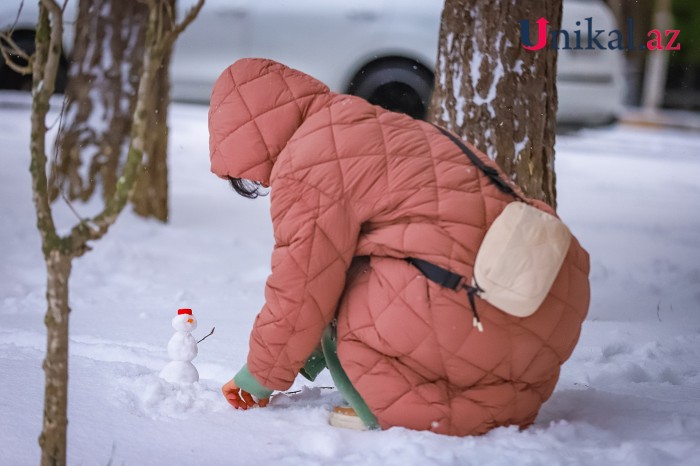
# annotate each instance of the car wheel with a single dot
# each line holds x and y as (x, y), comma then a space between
(399, 85)
(9, 79)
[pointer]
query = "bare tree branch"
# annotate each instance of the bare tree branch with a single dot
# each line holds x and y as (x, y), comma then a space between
(52, 179)
(189, 17)
(24, 70)
(159, 21)
(13, 48)
(170, 13)
(48, 44)
(53, 57)
(19, 12)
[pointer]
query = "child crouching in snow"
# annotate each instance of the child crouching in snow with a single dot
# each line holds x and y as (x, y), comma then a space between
(361, 200)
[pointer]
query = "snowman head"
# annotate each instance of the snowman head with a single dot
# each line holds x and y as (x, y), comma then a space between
(184, 321)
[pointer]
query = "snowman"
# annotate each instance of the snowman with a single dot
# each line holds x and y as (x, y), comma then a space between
(182, 349)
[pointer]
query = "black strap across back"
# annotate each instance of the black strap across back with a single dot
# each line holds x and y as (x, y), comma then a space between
(444, 277)
(487, 170)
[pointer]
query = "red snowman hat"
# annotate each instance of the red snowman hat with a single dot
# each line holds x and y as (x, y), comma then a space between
(184, 311)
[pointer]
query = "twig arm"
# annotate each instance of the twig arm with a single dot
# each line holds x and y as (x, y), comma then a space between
(207, 336)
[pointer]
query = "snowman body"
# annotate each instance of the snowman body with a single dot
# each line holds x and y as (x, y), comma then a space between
(182, 349)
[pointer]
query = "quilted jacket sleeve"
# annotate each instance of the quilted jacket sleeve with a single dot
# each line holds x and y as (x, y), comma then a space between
(315, 240)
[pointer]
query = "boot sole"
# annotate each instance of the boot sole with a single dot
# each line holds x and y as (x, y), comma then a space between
(345, 421)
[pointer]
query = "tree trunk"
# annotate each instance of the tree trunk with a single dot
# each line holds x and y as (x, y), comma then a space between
(104, 77)
(641, 12)
(150, 199)
(494, 93)
(53, 434)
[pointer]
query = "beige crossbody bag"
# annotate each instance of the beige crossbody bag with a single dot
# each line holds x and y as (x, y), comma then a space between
(519, 258)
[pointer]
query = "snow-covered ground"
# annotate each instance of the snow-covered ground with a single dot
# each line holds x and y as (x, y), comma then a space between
(630, 394)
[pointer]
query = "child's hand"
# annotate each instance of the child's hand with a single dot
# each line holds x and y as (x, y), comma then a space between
(240, 399)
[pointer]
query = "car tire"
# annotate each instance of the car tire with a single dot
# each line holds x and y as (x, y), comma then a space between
(9, 79)
(399, 85)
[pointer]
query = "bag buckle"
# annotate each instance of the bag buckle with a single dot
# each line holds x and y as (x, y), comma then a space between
(473, 289)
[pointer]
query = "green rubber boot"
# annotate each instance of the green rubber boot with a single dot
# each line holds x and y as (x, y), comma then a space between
(342, 417)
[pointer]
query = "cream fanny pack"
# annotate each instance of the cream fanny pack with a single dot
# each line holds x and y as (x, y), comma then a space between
(518, 259)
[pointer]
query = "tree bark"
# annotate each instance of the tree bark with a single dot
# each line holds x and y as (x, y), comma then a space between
(101, 97)
(494, 93)
(150, 199)
(53, 434)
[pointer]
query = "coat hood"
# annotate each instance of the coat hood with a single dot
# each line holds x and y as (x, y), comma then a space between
(256, 106)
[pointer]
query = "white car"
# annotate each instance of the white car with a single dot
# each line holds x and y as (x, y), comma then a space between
(382, 50)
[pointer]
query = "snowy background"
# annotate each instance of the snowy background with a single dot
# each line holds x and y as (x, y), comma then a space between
(630, 394)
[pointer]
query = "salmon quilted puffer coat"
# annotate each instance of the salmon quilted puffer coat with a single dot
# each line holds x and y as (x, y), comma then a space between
(349, 179)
